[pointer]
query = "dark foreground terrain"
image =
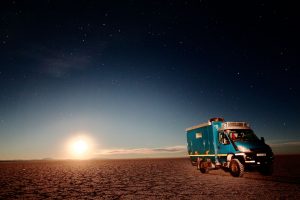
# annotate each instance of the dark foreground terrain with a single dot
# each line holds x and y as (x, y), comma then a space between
(143, 179)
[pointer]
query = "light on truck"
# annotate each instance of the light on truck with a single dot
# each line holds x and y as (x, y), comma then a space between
(243, 149)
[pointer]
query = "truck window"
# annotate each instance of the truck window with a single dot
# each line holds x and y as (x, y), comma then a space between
(198, 135)
(243, 135)
(223, 139)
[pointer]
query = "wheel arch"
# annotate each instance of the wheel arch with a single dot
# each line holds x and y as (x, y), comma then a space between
(231, 156)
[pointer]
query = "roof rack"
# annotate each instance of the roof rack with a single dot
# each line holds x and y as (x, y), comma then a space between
(235, 125)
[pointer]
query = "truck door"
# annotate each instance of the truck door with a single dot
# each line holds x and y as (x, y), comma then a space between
(223, 147)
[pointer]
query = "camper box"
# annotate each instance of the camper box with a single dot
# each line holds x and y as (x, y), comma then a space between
(233, 145)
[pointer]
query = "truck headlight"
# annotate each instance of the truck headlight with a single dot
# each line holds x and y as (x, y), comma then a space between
(243, 149)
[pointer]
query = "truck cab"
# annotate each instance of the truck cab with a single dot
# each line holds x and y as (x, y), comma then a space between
(232, 145)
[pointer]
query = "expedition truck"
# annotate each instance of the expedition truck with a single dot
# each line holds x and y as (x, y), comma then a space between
(232, 146)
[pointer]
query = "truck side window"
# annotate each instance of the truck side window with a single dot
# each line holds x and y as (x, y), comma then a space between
(223, 139)
(220, 137)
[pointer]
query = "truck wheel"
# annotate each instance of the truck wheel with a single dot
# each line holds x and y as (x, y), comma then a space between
(236, 168)
(203, 168)
(266, 170)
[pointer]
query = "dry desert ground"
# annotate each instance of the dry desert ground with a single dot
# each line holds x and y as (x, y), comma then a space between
(170, 178)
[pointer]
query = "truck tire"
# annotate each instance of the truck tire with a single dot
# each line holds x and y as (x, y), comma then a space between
(236, 168)
(203, 168)
(266, 170)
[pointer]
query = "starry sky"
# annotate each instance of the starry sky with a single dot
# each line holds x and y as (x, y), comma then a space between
(132, 75)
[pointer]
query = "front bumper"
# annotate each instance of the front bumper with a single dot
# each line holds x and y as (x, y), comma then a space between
(257, 158)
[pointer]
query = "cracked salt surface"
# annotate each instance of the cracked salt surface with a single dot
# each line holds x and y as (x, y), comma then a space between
(141, 179)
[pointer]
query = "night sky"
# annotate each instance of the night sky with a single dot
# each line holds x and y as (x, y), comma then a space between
(132, 75)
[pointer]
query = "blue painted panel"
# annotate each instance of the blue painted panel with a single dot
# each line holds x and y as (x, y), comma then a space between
(201, 141)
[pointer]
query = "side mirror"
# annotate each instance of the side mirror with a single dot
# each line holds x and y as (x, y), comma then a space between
(262, 139)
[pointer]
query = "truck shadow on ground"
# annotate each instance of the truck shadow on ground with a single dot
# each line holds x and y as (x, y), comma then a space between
(257, 176)
(286, 170)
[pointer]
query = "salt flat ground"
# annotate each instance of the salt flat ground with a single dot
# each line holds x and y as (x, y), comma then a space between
(143, 179)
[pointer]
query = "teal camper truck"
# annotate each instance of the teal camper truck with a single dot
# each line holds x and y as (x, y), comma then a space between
(229, 145)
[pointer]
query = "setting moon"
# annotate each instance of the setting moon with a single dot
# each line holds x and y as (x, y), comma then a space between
(80, 147)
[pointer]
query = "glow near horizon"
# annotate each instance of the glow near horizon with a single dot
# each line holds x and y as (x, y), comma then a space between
(116, 117)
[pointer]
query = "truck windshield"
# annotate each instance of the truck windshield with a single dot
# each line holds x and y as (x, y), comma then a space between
(242, 135)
